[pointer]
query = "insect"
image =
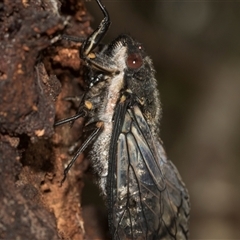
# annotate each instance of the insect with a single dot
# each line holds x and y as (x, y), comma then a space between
(145, 195)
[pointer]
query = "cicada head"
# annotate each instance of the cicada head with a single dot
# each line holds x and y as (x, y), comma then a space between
(139, 75)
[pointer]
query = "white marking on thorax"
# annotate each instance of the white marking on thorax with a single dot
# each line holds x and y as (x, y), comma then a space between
(100, 150)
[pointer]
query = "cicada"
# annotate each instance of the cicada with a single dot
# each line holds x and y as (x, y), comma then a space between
(145, 195)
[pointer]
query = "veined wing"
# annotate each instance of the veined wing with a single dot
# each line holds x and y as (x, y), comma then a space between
(147, 200)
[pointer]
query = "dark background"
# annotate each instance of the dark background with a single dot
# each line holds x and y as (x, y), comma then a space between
(195, 48)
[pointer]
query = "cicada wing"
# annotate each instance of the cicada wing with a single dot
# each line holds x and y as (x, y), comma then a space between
(179, 198)
(147, 190)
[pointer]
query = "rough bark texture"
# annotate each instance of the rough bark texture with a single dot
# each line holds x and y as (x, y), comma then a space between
(33, 62)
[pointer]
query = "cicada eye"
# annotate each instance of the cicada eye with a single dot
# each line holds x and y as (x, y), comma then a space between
(134, 60)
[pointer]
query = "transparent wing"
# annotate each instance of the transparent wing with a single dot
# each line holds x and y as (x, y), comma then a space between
(149, 199)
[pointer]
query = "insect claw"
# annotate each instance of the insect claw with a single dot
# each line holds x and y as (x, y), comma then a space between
(63, 180)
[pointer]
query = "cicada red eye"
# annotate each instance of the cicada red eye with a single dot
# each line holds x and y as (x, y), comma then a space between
(134, 60)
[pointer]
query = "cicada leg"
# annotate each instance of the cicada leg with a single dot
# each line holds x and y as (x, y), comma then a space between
(94, 39)
(70, 119)
(89, 44)
(86, 143)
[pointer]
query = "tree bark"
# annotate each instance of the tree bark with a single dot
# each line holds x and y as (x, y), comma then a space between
(37, 71)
